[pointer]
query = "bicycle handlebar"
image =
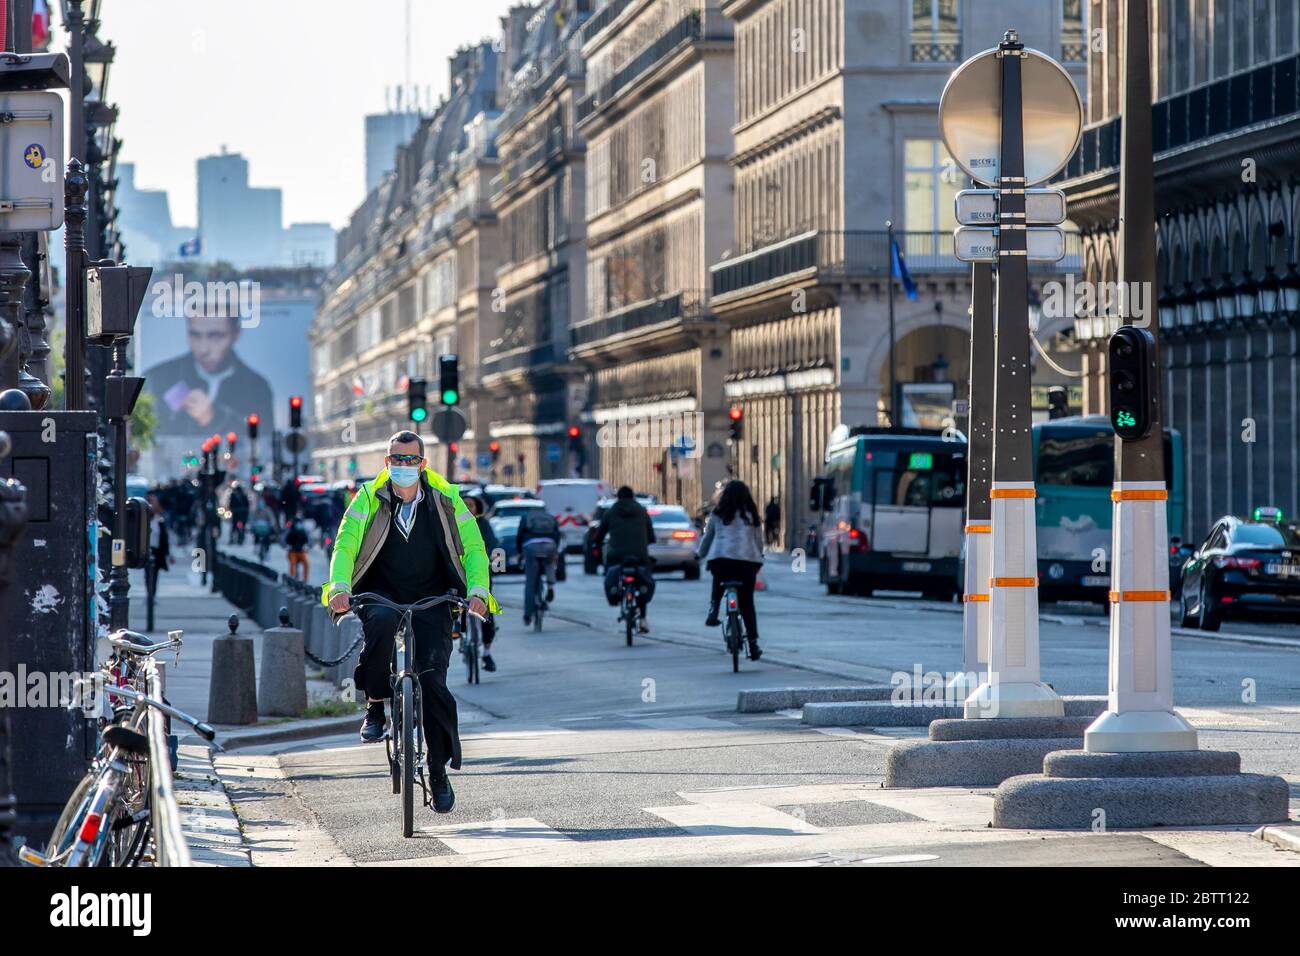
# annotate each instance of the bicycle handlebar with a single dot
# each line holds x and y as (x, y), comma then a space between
(370, 597)
(205, 730)
(174, 640)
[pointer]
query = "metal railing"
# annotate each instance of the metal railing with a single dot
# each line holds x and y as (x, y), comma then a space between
(521, 357)
(1234, 103)
(551, 145)
(865, 253)
(688, 29)
(689, 304)
(169, 840)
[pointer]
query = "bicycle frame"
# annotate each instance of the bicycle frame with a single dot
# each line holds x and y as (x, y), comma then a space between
(403, 672)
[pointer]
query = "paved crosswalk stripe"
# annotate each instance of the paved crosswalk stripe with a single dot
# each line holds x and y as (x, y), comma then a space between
(496, 836)
(733, 819)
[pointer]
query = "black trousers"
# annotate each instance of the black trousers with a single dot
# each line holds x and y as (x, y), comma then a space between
(744, 573)
(432, 629)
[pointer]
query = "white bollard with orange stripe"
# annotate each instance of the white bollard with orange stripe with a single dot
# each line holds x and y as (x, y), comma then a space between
(1013, 688)
(1140, 715)
(975, 612)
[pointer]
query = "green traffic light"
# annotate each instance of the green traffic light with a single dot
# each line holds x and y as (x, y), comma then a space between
(419, 414)
(449, 397)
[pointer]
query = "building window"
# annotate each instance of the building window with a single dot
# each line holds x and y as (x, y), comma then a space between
(1074, 42)
(936, 31)
(931, 181)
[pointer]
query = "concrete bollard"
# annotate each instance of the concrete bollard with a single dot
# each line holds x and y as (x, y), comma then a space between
(266, 611)
(321, 625)
(232, 692)
(282, 687)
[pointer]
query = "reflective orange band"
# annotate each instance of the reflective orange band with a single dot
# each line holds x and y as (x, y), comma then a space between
(1139, 494)
(979, 529)
(1117, 596)
(1013, 582)
(1012, 493)
(975, 597)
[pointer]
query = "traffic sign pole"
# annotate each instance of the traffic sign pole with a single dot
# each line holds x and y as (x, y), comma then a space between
(1013, 687)
(979, 473)
(1139, 715)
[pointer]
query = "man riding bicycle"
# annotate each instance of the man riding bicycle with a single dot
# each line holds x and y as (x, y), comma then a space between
(407, 535)
(629, 531)
(537, 542)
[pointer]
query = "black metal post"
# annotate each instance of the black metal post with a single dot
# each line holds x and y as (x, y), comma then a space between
(119, 602)
(13, 518)
(1142, 460)
(75, 185)
(979, 449)
(893, 358)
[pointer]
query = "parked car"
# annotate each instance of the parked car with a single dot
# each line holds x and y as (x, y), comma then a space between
(675, 540)
(592, 554)
(1245, 564)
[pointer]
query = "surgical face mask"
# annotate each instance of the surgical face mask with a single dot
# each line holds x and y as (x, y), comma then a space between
(404, 475)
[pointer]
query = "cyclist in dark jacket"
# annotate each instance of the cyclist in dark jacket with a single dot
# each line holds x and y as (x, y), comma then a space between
(627, 533)
(490, 541)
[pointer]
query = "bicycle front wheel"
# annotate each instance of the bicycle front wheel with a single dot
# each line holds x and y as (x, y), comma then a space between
(65, 831)
(408, 759)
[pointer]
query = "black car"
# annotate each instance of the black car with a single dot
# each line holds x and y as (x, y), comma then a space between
(1244, 565)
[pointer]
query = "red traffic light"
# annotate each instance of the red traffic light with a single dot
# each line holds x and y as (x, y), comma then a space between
(295, 401)
(254, 419)
(574, 431)
(494, 446)
(736, 413)
(231, 437)
(454, 447)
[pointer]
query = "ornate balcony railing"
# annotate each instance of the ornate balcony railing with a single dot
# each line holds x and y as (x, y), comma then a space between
(552, 145)
(1234, 103)
(689, 29)
(864, 253)
(519, 357)
(689, 304)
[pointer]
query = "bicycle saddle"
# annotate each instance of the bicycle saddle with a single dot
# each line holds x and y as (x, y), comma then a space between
(126, 739)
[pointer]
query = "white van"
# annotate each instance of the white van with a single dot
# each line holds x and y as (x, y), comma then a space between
(572, 501)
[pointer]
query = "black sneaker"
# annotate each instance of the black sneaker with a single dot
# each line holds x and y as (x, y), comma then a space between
(755, 652)
(444, 798)
(527, 620)
(373, 727)
(550, 594)
(712, 620)
(488, 663)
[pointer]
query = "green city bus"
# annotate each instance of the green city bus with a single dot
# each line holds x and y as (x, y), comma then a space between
(1074, 470)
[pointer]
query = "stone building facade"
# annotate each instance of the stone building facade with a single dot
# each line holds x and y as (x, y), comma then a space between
(1226, 134)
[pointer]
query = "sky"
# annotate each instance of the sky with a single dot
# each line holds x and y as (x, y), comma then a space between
(287, 83)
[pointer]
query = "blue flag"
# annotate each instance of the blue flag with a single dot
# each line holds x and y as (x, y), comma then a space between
(191, 247)
(900, 270)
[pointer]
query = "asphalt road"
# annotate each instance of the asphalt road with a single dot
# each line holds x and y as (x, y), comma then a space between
(580, 749)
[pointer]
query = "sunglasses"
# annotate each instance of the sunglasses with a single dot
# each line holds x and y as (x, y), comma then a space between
(405, 459)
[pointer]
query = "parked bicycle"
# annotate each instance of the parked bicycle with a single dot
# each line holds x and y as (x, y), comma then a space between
(109, 819)
(404, 742)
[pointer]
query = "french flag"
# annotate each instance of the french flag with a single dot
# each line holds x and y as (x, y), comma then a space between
(40, 25)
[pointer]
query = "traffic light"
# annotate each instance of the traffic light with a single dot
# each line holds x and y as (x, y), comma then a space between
(295, 411)
(737, 416)
(231, 438)
(454, 447)
(494, 447)
(253, 421)
(416, 400)
(1134, 383)
(449, 379)
(575, 438)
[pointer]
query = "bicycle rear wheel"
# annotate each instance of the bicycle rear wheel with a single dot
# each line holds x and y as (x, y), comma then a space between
(408, 758)
(629, 616)
(538, 614)
(733, 642)
(69, 821)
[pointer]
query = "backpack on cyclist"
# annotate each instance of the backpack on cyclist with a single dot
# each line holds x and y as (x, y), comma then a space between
(539, 523)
